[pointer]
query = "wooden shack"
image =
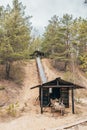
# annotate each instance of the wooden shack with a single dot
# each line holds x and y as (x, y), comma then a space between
(59, 89)
(37, 53)
(54, 89)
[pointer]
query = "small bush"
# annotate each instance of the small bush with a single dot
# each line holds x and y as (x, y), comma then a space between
(17, 73)
(2, 71)
(78, 101)
(12, 109)
(86, 73)
(60, 65)
(2, 87)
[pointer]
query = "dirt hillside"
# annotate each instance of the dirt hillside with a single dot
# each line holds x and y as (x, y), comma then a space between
(29, 117)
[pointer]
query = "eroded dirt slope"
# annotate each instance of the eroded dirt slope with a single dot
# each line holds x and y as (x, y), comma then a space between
(30, 117)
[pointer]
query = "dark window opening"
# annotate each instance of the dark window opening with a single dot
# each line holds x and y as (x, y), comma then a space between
(55, 93)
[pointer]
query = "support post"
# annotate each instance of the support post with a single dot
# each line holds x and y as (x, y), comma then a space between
(73, 100)
(41, 99)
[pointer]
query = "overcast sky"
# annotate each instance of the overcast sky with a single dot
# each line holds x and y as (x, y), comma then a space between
(43, 10)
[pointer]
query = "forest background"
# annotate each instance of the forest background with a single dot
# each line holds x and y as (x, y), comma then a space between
(64, 39)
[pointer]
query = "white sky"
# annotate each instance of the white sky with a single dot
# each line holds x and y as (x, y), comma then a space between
(43, 10)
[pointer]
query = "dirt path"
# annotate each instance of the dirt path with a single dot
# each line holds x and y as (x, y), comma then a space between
(31, 79)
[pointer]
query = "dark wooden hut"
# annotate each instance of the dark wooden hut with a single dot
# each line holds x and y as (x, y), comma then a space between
(59, 89)
(37, 53)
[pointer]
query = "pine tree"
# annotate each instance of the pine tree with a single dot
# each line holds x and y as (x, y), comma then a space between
(17, 37)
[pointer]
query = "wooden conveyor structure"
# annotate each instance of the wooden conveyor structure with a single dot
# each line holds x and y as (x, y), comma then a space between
(54, 89)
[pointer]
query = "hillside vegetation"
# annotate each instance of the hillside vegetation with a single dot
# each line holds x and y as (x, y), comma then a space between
(64, 39)
(64, 43)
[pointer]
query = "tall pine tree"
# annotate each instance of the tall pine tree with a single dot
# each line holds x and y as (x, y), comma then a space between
(17, 30)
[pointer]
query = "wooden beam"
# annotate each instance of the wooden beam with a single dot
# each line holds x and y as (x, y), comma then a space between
(58, 86)
(73, 100)
(41, 100)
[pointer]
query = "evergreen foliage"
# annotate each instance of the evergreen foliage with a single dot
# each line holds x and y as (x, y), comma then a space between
(15, 31)
(65, 39)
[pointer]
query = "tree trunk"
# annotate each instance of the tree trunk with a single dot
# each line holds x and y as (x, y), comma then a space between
(7, 70)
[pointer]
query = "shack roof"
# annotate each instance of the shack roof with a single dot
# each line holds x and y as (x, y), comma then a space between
(37, 53)
(58, 82)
